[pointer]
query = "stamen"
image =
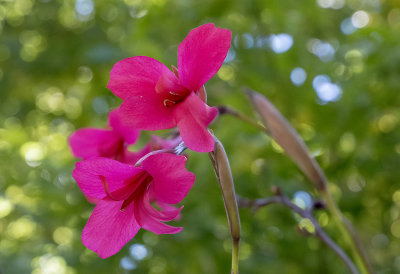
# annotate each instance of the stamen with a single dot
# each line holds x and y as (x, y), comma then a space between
(169, 103)
(173, 93)
(175, 70)
(105, 187)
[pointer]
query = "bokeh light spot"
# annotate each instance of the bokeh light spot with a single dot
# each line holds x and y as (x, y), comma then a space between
(281, 42)
(226, 73)
(100, 105)
(33, 153)
(360, 19)
(326, 91)
(395, 228)
(85, 75)
(15, 194)
(387, 123)
(48, 264)
(51, 101)
(307, 225)
(298, 76)
(138, 252)
(257, 165)
(72, 107)
(302, 199)
(32, 44)
(276, 146)
(355, 183)
(128, 264)
(63, 235)
(5, 207)
(323, 219)
(332, 4)
(3, 12)
(347, 142)
(307, 132)
(396, 197)
(347, 27)
(84, 7)
(230, 56)
(245, 251)
(23, 7)
(394, 18)
(323, 50)
(23, 228)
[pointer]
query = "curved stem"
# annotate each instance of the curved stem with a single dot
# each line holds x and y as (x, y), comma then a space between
(174, 150)
(256, 204)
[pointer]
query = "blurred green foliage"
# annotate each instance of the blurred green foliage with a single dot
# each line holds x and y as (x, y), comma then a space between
(55, 58)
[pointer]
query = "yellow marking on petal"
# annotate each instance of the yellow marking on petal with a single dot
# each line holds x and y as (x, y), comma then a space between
(169, 103)
(175, 70)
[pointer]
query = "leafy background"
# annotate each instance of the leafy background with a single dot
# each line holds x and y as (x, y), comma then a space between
(55, 58)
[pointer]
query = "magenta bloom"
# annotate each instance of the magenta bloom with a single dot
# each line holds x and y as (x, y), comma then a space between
(125, 194)
(155, 98)
(111, 143)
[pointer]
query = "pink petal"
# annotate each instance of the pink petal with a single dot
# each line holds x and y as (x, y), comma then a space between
(168, 207)
(193, 116)
(92, 142)
(171, 180)
(136, 75)
(148, 218)
(87, 174)
(161, 215)
(147, 112)
(153, 225)
(92, 200)
(109, 229)
(201, 54)
(169, 83)
(128, 133)
(161, 143)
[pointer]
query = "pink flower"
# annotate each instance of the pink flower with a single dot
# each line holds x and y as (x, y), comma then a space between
(155, 98)
(111, 143)
(125, 194)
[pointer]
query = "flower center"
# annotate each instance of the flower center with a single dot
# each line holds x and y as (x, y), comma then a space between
(139, 192)
(131, 192)
(173, 98)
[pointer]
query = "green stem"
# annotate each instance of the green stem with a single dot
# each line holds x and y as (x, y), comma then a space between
(223, 173)
(348, 234)
(235, 256)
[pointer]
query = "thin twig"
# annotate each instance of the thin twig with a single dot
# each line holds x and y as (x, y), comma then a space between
(239, 115)
(280, 199)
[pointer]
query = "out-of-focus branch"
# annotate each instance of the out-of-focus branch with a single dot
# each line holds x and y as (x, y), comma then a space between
(288, 138)
(280, 199)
